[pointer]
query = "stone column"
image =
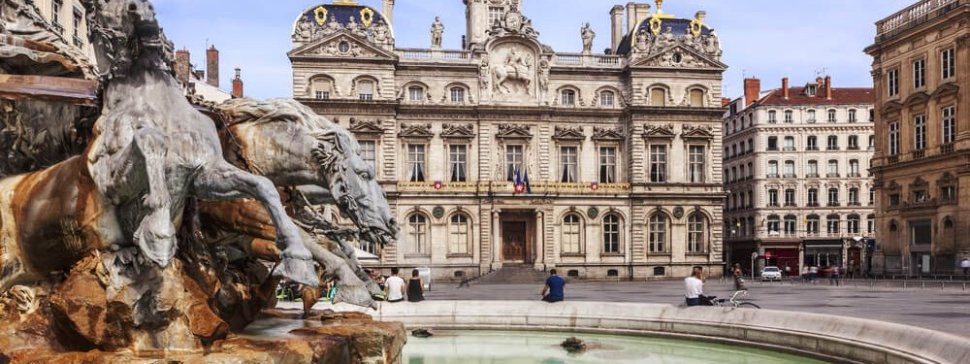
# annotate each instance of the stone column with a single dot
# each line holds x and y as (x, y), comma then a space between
(540, 241)
(496, 239)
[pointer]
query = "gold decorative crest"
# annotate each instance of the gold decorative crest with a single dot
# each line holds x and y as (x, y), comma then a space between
(344, 2)
(366, 17)
(695, 27)
(320, 15)
(656, 21)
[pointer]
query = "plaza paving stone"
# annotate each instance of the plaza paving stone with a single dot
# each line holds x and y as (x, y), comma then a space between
(946, 310)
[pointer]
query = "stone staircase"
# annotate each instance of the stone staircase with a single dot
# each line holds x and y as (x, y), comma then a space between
(514, 273)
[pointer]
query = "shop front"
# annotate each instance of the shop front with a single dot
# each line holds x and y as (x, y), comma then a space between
(824, 253)
(785, 256)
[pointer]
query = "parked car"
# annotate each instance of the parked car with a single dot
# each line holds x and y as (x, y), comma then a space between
(771, 273)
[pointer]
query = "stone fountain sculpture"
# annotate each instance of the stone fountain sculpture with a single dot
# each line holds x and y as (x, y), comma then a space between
(122, 251)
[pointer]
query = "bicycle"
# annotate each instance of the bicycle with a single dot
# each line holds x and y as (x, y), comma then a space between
(735, 301)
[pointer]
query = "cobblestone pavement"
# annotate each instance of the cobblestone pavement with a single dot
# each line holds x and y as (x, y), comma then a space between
(947, 310)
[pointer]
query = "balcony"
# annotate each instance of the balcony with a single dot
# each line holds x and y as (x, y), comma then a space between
(811, 147)
(773, 204)
(854, 203)
(811, 175)
(919, 154)
(789, 149)
(853, 147)
(790, 175)
(893, 159)
(946, 148)
(812, 204)
(832, 147)
(833, 204)
(771, 149)
(790, 204)
(855, 174)
(913, 16)
(773, 175)
(832, 175)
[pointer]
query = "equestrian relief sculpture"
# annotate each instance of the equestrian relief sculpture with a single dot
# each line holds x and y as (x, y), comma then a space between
(170, 230)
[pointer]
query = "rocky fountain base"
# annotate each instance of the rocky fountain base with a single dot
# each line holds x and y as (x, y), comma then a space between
(105, 311)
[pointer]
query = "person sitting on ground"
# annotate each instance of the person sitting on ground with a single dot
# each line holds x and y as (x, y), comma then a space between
(415, 287)
(695, 287)
(554, 287)
(394, 287)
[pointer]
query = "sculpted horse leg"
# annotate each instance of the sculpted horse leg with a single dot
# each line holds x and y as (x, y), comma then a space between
(223, 181)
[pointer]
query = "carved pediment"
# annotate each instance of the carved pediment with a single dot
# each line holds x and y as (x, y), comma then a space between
(947, 179)
(917, 99)
(894, 186)
(946, 89)
(416, 131)
(679, 57)
(891, 107)
(918, 183)
(340, 45)
(513, 131)
(658, 131)
(569, 134)
(458, 131)
(608, 134)
(363, 127)
(697, 132)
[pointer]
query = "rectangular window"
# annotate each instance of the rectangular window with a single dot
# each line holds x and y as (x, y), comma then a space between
(831, 115)
(788, 117)
(457, 95)
(322, 95)
(833, 142)
(365, 90)
(852, 117)
(894, 138)
(658, 163)
(789, 197)
(416, 94)
(811, 143)
(56, 14)
(606, 98)
(789, 169)
(568, 160)
(919, 132)
(812, 197)
(568, 98)
(872, 197)
(811, 226)
(948, 63)
(495, 13)
(894, 199)
(772, 117)
(772, 143)
(833, 225)
(514, 156)
(812, 169)
(772, 169)
(892, 80)
(853, 197)
(76, 22)
(854, 168)
(949, 124)
(658, 235)
(458, 242)
(853, 142)
(611, 235)
(416, 162)
(833, 197)
(833, 168)
(696, 164)
(919, 73)
(607, 165)
(368, 152)
(870, 225)
(458, 162)
(789, 143)
(772, 198)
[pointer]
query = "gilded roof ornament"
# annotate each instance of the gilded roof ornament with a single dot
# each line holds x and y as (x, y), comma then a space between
(366, 17)
(344, 2)
(320, 15)
(656, 21)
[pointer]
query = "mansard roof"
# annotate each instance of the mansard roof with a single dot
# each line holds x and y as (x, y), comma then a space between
(340, 12)
(840, 96)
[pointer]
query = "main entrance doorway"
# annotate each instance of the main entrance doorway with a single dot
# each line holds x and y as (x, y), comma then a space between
(518, 237)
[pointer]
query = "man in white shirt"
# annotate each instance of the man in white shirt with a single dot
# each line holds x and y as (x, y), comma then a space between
(695, 286)
(394, 287)
(965, 264)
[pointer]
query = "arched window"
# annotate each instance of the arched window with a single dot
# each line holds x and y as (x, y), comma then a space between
(365, 89)
(457, 95)
(571, 234)
(607, 98)
(832, 223)
(788, 117)
(418, 234)
(812, 224)
(772, 116)
(811, 116)
(696, 233)
(611, 234)
(416, 93)
(696, 98)
(567, 97)
(459, 231)
(321, 88)
(831, 116)
(658, 97)
(658, 233)
(773, 225)
(790, 224)
(852, 223)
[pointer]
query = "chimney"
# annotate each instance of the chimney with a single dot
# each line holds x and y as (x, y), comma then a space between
(784, 87)
(237, 85)
(212, 66)
(389, 12)
(828, 87)
(643, 11)
(818, 86)
(631, 16)
(182, 65)
(752, 89)
(616, 16)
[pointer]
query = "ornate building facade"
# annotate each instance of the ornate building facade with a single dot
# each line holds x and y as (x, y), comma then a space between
(921, 71)
(508, 152)
(796, 163)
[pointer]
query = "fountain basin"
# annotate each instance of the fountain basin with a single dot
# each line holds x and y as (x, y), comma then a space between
(830, 338)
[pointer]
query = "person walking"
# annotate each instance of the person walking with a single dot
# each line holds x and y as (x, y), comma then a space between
(415, 287)
(394, 287)
(812, 273)
(553, 291)
(835, 275)
(965, 264)
(738, 278)
(694, 286)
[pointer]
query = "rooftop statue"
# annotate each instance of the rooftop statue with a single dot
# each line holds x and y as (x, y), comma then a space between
(588, 35)
(437, 29)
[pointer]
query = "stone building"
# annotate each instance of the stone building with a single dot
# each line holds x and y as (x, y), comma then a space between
(796, 163)
(67, 18)
(921, 71)
(506, 152)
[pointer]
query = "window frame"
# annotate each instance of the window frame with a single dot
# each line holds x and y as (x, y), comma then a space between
(454, 151)
(417, 170)
(456, 232)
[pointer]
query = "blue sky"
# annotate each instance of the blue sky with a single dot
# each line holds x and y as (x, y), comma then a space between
(768, 39)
